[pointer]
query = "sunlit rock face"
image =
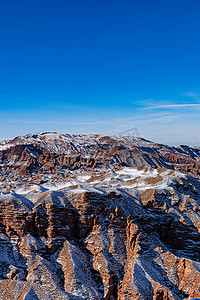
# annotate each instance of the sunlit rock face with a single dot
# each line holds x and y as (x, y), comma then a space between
(98, 217)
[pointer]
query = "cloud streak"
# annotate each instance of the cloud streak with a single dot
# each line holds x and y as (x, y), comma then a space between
(173, 106)
(115, 121)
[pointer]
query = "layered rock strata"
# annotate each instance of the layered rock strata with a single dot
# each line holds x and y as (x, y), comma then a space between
(95, 228)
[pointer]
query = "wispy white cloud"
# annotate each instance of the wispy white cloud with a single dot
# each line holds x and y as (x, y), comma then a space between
(146, 118)
(173, 105)
(69, 122)
(167, 117)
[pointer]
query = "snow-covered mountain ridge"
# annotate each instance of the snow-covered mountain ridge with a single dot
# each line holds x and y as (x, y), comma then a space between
(98, 217)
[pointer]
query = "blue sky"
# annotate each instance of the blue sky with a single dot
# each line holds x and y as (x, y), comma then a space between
(101, 67)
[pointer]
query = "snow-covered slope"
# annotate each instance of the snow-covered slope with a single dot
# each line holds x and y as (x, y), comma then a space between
(98, 217)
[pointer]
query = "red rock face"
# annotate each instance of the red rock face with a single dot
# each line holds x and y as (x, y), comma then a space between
(25, 158)
(104, 219)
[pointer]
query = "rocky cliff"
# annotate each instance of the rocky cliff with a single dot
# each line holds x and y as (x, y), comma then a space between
(98, 217)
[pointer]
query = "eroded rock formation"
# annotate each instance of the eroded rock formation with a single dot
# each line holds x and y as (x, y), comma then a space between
(99, 225)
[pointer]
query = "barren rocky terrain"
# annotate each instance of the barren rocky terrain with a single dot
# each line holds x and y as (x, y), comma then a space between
(98, 217)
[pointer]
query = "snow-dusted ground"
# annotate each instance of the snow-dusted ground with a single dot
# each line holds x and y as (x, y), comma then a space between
(129, 180)
(145, 194)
